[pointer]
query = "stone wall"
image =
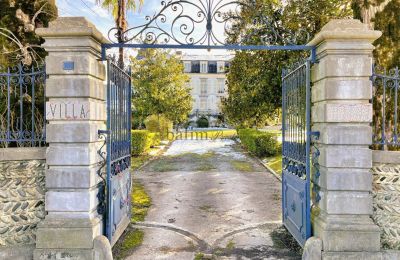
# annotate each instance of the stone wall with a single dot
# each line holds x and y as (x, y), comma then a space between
(22, 190)
(386, 197)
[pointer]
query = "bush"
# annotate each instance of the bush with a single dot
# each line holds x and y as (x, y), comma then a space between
(159, 124)
(155, 139)
(261, 144)
(202, 122)
(141, 142)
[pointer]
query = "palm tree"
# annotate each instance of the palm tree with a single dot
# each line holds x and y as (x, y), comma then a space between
(119, 9)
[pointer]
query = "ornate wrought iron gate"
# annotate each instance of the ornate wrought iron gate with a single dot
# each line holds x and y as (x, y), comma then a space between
(296, 151)
(118, 157)
(202, 24)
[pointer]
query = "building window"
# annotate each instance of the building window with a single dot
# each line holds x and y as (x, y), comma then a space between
(203, 103)
(221, 86)
(203, 86)
(203, 67)
(221, 67)
(195, 67)
(212, 67)
(187, 66)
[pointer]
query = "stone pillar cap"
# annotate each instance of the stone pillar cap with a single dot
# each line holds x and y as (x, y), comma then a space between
(345, 29)
(71, 26)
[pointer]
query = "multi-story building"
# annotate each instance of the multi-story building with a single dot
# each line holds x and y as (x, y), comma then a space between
(208, 83)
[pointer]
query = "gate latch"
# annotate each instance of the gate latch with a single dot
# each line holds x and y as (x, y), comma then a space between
(103, 132)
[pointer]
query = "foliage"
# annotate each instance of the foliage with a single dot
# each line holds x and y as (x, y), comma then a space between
(300, 14)
(119, 10)
(161, 86)
(141, 142)
(387, 52)
(259, 143)
(18, 21)
(254, 78)
(202, 122)
(159, 124)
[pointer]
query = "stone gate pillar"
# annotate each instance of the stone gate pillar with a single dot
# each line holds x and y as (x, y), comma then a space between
(342, 113)
(75, 111)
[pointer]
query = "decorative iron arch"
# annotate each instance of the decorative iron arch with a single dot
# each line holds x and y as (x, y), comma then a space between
(202, 24)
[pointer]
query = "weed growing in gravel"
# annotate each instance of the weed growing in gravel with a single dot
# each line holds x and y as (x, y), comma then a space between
(199, 256)
(231, 245)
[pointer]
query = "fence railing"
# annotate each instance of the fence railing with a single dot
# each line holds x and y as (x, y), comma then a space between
(22, 106)
(385, 99)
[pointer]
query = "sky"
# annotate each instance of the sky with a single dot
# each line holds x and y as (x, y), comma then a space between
(104, 21)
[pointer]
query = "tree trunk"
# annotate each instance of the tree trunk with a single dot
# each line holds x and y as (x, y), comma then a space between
(122, 26)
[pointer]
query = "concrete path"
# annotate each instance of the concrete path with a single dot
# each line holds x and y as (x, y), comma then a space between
(210, 199)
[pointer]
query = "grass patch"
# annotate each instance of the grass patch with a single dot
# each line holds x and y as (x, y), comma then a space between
(199, 256)
(231, 245)
(141, 202)
(129, 241)
(164, 166)
(186, 161)
(207, 208)
(204, 167)
(275, 163)
(242, 166)
(138, 161)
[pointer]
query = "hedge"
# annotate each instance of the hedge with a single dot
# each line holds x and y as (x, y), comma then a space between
(141, 142)
(261, 144)
(155, 139)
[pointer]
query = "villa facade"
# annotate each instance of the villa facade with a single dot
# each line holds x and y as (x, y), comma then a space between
(208, 83)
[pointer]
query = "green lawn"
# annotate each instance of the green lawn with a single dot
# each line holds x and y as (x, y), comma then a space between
(275, 163)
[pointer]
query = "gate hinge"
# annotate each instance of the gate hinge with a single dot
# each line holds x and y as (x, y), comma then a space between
(315, 135)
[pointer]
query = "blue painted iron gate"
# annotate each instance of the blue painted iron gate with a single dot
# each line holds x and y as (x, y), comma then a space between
(296, 151)
(118, 160)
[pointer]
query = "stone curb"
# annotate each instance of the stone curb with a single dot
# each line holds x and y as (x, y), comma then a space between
(269, 169)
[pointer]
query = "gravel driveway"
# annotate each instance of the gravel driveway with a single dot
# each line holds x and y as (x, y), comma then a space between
(210, 200)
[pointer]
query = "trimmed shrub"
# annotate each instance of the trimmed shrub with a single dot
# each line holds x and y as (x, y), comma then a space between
(141, 142)
(155, 139)
(159, 124)
(202, 122)
(261, 144)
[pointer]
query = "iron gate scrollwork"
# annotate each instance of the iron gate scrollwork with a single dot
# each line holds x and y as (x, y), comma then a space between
(296, 150)
(118, 155)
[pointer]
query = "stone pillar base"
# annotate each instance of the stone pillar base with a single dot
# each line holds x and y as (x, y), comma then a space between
(68, 238)
(342, 234)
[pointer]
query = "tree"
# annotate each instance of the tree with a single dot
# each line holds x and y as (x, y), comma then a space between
(254, 78)
(18, 21)
(160, 86)
(119, 9)
(383, 16)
